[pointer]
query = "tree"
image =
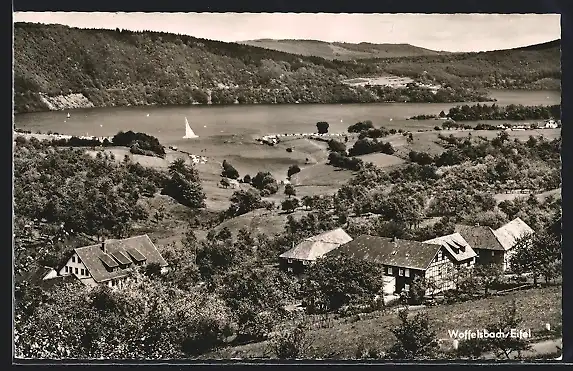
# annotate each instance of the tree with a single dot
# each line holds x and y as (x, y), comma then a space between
(417, 290)
(293, 169)
(244, 201)
(290, 204)
(291, 344)
(334, 281)
(414, 337)
(538, 254)
(322, 127)
(187, 192)
(290, 190)
(256, 296)
(308, 202)
(247, 179)
(488, 275)
(508, 319)
(265, 181)
(442, 114)
(336, 146)
(229, 171)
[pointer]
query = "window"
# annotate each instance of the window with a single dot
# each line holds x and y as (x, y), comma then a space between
(407, 272)
(83, 272)
(440, 256)
(407, 287)
(400, 272)
(73, 259)
(79, 260)
(492, 253)
(289, 270)
(389, 270)
(66, 269)
(76, 270)
(290, 261)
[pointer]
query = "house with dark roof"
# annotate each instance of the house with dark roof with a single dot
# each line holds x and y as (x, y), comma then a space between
(484, 242)
(112, 261)
(402, 261)
(306, 252)
(494, 246)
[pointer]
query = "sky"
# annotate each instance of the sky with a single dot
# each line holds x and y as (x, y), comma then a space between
(448, 32)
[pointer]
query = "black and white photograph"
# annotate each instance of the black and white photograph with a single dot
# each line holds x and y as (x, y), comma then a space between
(287, 186)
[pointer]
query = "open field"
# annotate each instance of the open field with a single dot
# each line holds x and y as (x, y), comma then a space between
(382, 160)
(538, 306)
(541, 196)
(387, 80)
(260, 221)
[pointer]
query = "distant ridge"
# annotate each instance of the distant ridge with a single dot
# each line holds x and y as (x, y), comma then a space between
(341, 50)
(542, 46)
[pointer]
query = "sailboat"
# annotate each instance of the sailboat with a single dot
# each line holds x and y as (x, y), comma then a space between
(69, 115)
(188, 131)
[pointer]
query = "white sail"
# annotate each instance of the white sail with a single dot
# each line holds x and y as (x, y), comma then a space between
(69, 115)
(188, 131)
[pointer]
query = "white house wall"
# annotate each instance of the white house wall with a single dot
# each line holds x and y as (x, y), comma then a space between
(75, 263)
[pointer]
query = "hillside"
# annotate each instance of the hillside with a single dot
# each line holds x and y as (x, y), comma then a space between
(341, 51)
(532, 67)
(58, 67)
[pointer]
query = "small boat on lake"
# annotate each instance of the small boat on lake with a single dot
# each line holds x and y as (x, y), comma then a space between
(188, 131)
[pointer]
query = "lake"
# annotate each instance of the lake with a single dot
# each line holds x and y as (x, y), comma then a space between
(168, 123)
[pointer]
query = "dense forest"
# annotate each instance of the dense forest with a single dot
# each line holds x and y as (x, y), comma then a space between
(120, 68)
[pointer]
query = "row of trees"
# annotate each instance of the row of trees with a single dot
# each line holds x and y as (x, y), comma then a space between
(509, 112)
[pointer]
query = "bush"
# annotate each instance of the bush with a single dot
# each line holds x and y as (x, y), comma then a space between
(322, 127)
(229, 171)
(293, 169)
(360, 126)
(143, 141)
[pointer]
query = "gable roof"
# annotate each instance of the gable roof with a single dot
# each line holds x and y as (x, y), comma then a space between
(479, 237)
(454, 242)
(383, 250)
(509, 233)
(96, 260)
(317, 246)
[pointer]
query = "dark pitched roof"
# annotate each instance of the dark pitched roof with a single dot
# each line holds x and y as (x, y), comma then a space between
(479, 237)
(140, 248)
(398, 253)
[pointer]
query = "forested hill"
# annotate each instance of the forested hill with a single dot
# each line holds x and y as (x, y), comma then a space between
(341, 51)
(58, 67)
(531, 67)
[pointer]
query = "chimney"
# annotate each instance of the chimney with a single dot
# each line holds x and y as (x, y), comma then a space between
(103, 245)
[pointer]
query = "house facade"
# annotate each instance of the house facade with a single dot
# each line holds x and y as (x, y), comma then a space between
(494, 246)
(305, 253)
(484, 242)
(508, 235)
(111, 262)
(402, 261)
